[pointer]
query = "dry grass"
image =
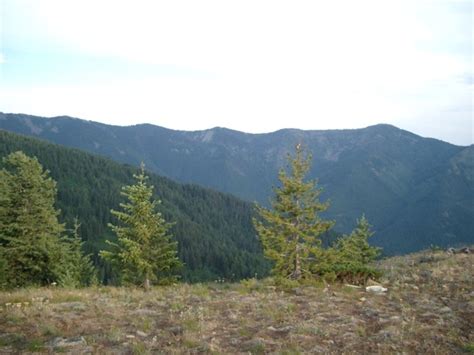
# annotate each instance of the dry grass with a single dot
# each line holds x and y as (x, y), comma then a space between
(428, 309)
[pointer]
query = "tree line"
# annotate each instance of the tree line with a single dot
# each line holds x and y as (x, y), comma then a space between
(214, 231)
(35, 249)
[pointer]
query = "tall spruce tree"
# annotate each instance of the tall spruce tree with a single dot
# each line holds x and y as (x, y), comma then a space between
(291, 230)
(144, 251)
(30, 232)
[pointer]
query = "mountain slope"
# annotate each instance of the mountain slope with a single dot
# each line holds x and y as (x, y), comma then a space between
(414, 190)
(214, 230)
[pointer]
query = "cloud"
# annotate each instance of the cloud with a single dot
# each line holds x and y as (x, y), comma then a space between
(2, 59)
(267, 64)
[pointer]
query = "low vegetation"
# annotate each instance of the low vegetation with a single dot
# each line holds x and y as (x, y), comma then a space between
(428, 308)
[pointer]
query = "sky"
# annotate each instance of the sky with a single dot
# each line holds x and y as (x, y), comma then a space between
(254, 66)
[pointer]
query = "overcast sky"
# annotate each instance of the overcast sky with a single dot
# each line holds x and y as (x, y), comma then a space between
(254, 66)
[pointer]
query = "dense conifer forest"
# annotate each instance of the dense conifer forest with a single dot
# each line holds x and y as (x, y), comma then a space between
(216, 239)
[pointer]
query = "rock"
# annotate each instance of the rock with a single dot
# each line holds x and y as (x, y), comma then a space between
(362, 299)
(352, 286)
(371, 282)
(141, 334)
(281, 331)
(458, 251)
(451, 251)
(176, 330)
(370, 313)
(445, 310)
(145, 312)
(318, 350)
(376, 289)
(68, 342)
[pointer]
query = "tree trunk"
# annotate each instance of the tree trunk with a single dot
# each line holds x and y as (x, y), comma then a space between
(296, 275)
(146, 284)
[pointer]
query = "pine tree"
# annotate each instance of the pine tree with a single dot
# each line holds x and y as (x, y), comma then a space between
(353, 255)
(356, 246)
(29, 227)
(144, 251)
(290, 232)
(76, 269)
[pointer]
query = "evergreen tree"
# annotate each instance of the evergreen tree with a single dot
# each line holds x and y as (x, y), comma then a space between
(355, 248)
(291, 231)
(144, 251)
(352, 255)
(77, 268)
(29, 227)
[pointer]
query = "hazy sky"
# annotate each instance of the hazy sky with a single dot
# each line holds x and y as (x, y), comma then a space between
(255, 66)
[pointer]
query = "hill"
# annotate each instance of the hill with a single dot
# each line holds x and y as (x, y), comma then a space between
(426, 310)
(214, 230)
(415, 191)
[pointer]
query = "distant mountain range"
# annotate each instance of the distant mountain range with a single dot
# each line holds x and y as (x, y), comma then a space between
(415, 191)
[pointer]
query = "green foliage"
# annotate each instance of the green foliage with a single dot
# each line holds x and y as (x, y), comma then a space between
(410, 176)
(3, 269)
(214, 231)
(33, 248)
(77, 268)
(291, 231)
(144, 251)
(356, 248)
(291, 234)
(29, 227)
(349, 260)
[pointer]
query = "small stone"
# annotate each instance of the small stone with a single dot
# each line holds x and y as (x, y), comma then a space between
(280, 331)
(145, 312)
(352, 286)
(362, 299)
(370, 313)
(445, 310)
(176, 330)
(68, 342)
(318, 350)
(141, 334)
(376, 289)
(130, 336)
(371, 282)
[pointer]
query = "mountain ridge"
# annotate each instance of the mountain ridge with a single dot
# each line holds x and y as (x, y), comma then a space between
(3, 115)
(401, 181)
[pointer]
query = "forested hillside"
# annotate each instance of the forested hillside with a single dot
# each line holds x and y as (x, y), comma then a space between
(214, 230)
(415, 191)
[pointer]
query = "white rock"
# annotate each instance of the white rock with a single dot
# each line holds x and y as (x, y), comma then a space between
(376, 289)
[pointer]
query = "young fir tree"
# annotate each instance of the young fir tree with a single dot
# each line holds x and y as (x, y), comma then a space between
(77, 269)
(29, 228)
(144, 251)
(290, 232)
(353, 254)
(356, 246)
